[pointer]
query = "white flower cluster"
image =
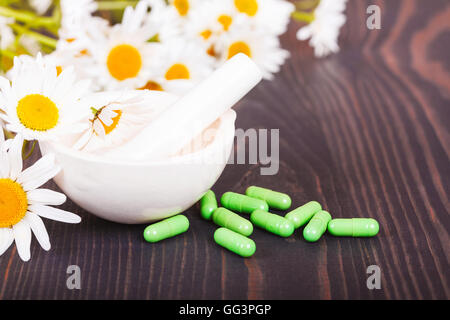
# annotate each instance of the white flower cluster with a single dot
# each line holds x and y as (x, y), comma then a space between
(323, 30)
(169, 46)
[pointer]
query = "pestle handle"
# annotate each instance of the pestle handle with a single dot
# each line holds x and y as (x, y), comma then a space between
(181, 122)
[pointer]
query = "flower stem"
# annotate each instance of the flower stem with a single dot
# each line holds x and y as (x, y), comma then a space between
(114, 5)
(50, 42)
(25, 145)
(303, 16)
(7, 53)
(306, 4)
(8, 135)
(27, 17)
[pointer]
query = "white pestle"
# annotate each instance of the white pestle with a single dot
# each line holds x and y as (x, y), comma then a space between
(181, 122)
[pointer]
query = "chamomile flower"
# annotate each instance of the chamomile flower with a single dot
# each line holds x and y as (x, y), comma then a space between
(271, 15)
(22, 202)
(78, 26)
(72, 48)
(78, 29)
(262, 48)
(38, 103)
(117, 116)
(77, 35)
(182, 65)
(323, 31)
(124, 57)
(209, 22)
(6, 34)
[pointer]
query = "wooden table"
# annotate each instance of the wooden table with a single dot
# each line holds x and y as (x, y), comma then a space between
(364, 132)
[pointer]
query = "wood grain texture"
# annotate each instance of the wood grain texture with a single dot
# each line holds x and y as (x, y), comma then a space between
(364, 132)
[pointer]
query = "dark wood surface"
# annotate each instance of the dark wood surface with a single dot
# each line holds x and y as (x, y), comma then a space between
(364, 132)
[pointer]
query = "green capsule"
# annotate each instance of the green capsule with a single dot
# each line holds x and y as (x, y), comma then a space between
(274, 199)
(316, 226)
(300, 216)
(166, 229)
(235, 242)
(230, 220)
(356, 227)
(208, 204)
(272, 223)
(241, 203)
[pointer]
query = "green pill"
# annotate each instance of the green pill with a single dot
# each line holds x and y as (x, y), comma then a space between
(230, 220)
(316, 226)
(166, 229)
(208, 204)
(300, 216)
(241, 203)
(274, 199)
(235, 242)
(356, 227)
(273, 223)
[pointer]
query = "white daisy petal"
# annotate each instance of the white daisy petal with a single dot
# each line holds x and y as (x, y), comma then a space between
(106, 117)
(5, 84)
(46, 197)
(22, 236)
(39, 230)
(6, 239)
(40, 180)
(41, 6)
(54, 213)
(4, 164)
(15, 157)
(99, 129)
(304, 33)
(8, 37)
(46, 163)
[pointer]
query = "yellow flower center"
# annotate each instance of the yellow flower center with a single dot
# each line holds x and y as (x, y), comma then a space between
(152, 85)
(225, 21)
(58, 70)
(124, 62)
(37, 112)
(239, 47)
(182, 6)
(177, 71)
(249, 7)
(206, 34)
(116, 119)
(13, 203)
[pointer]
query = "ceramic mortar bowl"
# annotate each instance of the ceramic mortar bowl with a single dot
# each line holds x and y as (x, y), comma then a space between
(142, 192)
